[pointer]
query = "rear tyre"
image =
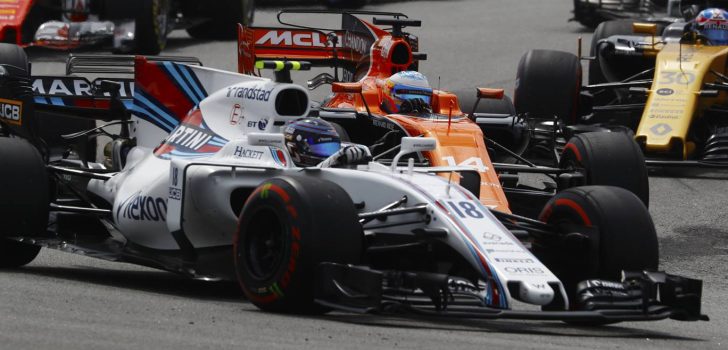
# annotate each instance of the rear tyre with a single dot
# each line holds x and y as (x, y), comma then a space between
(548, 83)
(24, 198)
(224, 16)
(604, 230)
(287, 227)
(152, 26)
(608, 158)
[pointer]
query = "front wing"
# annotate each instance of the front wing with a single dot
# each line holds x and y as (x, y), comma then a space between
(640, 296)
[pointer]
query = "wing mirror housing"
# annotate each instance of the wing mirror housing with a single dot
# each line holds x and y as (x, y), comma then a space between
(413, 144)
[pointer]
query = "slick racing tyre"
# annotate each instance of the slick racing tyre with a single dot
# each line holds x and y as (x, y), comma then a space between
(287, 227)
(608, 158)
(223, 17)
(602, 231)
(548, 84)
(24, 199)
(152, 26)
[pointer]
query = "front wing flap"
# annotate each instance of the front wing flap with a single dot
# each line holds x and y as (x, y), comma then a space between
(640, 296)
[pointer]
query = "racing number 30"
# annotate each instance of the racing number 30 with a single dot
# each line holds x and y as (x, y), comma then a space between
(466, 209)
(676, 77)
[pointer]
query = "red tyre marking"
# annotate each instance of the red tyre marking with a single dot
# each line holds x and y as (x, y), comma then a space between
(546, 213)
(576, 207)
(292, 210)
(281, 192)
(572, 147)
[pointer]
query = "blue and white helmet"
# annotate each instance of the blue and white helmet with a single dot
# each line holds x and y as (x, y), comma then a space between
(712, 23)
(403, 86)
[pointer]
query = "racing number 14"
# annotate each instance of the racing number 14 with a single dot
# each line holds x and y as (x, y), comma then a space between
(466, 209)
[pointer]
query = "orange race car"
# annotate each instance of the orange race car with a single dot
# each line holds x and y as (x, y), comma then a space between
(378, 98)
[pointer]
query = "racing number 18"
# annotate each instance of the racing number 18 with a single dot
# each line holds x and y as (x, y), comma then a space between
(466, 209)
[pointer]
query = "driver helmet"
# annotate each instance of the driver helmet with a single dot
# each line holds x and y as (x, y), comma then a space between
(311, 140)
(712, 23)
(403, 86)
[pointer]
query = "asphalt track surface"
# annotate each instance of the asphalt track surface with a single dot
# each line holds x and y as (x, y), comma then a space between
(63, 301)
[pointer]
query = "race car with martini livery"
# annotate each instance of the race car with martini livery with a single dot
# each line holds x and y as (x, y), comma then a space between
(197, 181)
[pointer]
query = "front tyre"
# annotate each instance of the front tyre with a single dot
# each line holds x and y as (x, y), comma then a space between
(602, 231)
(287, 227)
(608, 158)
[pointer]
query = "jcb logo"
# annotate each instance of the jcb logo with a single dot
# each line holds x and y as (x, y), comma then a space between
(11, 111)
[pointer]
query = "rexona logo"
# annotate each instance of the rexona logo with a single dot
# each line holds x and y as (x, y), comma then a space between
(142, 208)
(11, 111)
(186, 136)
(292, 38)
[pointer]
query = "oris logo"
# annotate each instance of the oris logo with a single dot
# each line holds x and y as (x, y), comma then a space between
(665, 92)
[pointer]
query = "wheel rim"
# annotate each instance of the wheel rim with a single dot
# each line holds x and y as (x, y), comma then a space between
(264, 244)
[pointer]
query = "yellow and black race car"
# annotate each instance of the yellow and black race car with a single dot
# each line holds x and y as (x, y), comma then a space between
(667, 85)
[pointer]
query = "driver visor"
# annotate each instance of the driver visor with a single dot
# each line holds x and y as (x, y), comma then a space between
(411, 93)
(716, 36)
(324, 149)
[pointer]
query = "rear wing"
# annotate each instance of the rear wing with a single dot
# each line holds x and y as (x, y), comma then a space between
(347, 47)
(290, 44)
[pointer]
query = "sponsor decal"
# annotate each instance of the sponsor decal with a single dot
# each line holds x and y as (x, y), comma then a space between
(293, 38)
(71, 86)
(665, 92)
(188, 137)
(492, 237)
(524, 270)
(262, 124)
(360, 44)
(384, 124)
(252, 124)
(249, 93)
(142, 208)
(175, 176)
(241, 152)
(236, 114)
(175, 193)
(11, 111)
(661, 129)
